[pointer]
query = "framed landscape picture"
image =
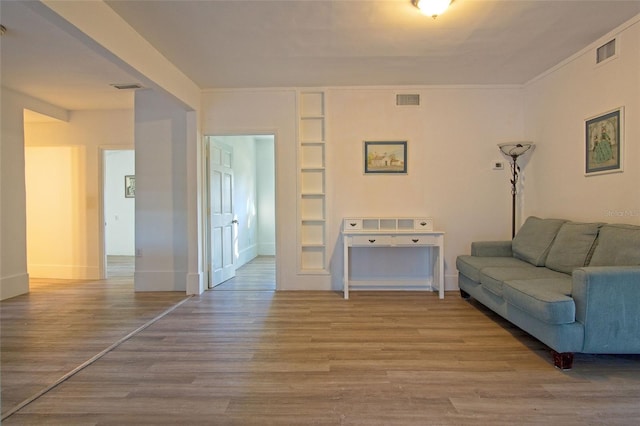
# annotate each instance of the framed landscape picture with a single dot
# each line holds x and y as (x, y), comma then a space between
(385, 157)
(603, 143)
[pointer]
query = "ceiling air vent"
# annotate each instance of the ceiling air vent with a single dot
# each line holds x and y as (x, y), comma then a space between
(127, 86)
(606, 51)
(408, 99)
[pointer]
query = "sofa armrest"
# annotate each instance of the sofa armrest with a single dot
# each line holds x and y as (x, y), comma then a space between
(491, 248)
(607, 300)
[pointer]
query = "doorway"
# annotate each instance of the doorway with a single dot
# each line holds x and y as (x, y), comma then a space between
(119, 212)
(253, 211)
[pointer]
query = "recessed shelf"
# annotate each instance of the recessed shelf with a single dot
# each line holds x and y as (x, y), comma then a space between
(312, 129)
(312, 155)
(312, 258)
(312, 233)
(312, 181)
(311, 104)
(312, 225)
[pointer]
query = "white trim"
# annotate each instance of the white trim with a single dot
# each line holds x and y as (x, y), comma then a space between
(14, 285)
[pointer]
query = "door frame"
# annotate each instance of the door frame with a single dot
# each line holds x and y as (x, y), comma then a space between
(102, 240)
(205, 236)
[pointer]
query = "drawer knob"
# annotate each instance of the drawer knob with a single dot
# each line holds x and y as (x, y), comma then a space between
(353, 224)
(423, 223)
(415, 240)
(372, 241)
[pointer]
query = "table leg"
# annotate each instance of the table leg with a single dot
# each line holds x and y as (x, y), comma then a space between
(345, 278)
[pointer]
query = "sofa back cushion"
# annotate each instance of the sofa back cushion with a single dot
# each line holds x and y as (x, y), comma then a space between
(533, 240)
(572, 246)
(617, 245)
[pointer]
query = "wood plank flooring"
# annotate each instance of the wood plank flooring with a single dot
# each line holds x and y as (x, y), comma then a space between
(297, 358)
(259, 275)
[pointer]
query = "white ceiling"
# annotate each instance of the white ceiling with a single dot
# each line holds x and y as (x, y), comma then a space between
(284, 43)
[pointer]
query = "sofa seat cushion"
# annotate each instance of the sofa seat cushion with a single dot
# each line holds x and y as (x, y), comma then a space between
(546, 299)
(572, 246)
(470, 266)
(617, 245)
(493, 278)
(534, 238)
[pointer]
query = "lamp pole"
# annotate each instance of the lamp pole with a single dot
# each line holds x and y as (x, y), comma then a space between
(514, 179)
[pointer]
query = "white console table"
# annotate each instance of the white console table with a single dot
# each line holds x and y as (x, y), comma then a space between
(396, 232)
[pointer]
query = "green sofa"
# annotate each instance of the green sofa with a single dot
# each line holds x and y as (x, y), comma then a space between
(574, 286)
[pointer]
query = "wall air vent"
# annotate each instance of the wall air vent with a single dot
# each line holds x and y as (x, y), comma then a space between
(408, 99)
(606, 51)
(127, 86)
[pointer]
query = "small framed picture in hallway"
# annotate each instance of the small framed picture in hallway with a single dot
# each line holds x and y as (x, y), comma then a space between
(129, 186)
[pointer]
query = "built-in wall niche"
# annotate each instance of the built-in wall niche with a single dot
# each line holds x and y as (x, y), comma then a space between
(312, 182)
(312, 185)
(312, 129)
(312, 259)
(311, 104)
(312, 155)
(312, 207)
(313, 232)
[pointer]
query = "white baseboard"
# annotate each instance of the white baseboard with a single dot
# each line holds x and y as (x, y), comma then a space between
(267, 249)
(246, 255)
(195, 283)
(64, 272)
(14, 285)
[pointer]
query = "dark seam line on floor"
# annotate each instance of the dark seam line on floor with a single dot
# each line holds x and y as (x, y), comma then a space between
(90, 361)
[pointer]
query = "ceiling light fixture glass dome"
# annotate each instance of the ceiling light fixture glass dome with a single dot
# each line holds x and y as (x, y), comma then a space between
(432, 8)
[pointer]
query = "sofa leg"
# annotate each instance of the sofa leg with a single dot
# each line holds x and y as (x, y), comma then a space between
(464, 294)
(563, 361)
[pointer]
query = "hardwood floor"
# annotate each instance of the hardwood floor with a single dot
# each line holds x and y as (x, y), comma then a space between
(292, 358)
(259, 275)
(120, 266)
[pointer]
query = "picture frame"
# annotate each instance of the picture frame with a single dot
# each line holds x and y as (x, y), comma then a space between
(385, 157)
(129, 186)
(604, 143)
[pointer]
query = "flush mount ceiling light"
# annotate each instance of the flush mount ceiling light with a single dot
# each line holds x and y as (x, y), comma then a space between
(432, 8)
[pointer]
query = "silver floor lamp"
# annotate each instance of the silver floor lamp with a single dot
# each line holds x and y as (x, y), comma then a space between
(514, 150)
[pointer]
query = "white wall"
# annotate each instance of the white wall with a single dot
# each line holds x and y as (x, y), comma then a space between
(557, 105)
(14, 279)
(265, 172)
(63, 168)
(162, 238)
(119, 211)
(452, 144)
(269, 111)
(452, 141)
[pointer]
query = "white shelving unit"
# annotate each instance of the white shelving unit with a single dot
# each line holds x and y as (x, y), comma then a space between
(312, 183)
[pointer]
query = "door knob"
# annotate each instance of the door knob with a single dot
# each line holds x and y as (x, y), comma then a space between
(234, 221)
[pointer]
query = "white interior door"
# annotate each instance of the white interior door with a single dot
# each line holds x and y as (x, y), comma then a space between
(222, 222)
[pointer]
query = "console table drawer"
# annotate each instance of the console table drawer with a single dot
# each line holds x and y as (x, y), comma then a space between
(371, 240)
(415, 240)
(354, 224)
